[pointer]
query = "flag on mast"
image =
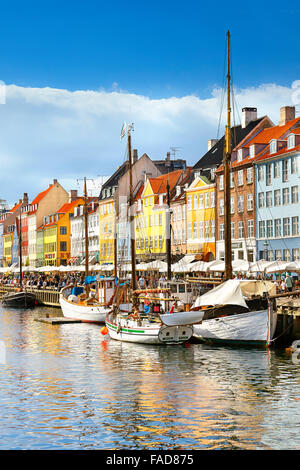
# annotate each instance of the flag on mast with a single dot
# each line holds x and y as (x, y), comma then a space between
(123, 131)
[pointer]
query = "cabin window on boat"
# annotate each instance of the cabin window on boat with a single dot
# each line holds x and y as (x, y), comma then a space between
(173, 288)
(181, 288)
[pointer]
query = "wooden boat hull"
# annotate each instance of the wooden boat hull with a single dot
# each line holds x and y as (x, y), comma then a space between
(251, 329)
(19, 300)
(89, 314)
(147, 333)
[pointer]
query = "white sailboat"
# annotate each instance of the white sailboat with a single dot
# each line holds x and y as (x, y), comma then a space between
(81, 303)
(138, 326)
(236, 312)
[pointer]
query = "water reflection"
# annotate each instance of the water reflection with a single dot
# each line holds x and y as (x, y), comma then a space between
(66, 386)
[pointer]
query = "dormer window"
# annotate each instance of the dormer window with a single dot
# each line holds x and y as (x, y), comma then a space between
(252, 151)
(291, 141)
(161, 199)
(240, 155)
(273, 146)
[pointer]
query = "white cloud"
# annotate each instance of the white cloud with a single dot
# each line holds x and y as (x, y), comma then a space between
(50, 133)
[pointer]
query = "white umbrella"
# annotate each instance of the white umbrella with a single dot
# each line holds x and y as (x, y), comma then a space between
(157, 264)
(142, 266)
(277, 266)
(66, 269)
(217, 267)
(294, 266)
(199, 266)
(259, 266)
(240, 265)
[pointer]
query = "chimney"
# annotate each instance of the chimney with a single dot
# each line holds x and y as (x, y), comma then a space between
(25, 198)
(20, 201)
(54, 181)
(73, 195)
(168, 159)
(287, 113)
(134, 155)
(211, 143)
(248, 115)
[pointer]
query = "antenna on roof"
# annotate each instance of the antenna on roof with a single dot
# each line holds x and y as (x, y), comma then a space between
(174, 150)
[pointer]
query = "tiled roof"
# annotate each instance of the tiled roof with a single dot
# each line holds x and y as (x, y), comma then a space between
(284, 150)
(159, 184)
(68, 206)
(270, 133)
(41, 195)
(214, 156)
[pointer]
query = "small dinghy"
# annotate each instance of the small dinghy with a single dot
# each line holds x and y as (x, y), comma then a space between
(21, 299)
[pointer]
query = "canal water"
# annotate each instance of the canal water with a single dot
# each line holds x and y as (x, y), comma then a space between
(68, 387)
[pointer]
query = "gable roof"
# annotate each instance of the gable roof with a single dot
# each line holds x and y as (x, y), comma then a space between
(214, 156)
(41, 195)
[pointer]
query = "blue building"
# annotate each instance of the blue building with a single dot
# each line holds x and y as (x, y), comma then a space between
(277, 172)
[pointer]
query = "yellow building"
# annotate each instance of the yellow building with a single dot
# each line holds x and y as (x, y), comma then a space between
(107, 229)
(56, 235)
(7, 249)
(151, 216)
(200, 218)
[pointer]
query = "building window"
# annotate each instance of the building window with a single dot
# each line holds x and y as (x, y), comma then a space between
(295, 225)
(250, 228)
(189, 203)
(261, 200)
(286, 196)
(206, 200)
(222, 232)
(276, 169)
(212, 199)
(200, 229)
(295, 253)
(270, 255)
(269, 228)
(232, 205)
(232, 180)
(286, 226)
(195, 202)
(240, 178)
(277, 197)
(200, 202)
(221, 206)
(250, 202)
(221, 182)
(160, 241)
(285, 170)
(273, 146)
(294, 165)
(195, 230)
(294, 194)
(249, 175)
(232, 227)
(63, 246)
(206, 229)
(269, 199)
(291, 141)
(286, 255)
(261, 229)
(277, 223)
(63, 230)
(260, 173)
(269, 174)
(240, 203)
(241, 229)
(277, 254)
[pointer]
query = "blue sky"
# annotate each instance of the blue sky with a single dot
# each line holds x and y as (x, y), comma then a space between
(159, 64)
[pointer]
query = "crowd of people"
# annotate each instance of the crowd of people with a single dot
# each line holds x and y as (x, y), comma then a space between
(56, 281)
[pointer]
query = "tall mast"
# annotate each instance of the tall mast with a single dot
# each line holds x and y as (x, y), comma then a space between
(131, 215)
(168, 241)
(86, 233)
(20, 248)
(226, 161)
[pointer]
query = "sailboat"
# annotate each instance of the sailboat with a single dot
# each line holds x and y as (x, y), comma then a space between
(82, 303)
(162, 325)
(235, 312)
(21, 298)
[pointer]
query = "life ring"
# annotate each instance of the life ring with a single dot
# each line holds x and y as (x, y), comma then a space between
(296, 357)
